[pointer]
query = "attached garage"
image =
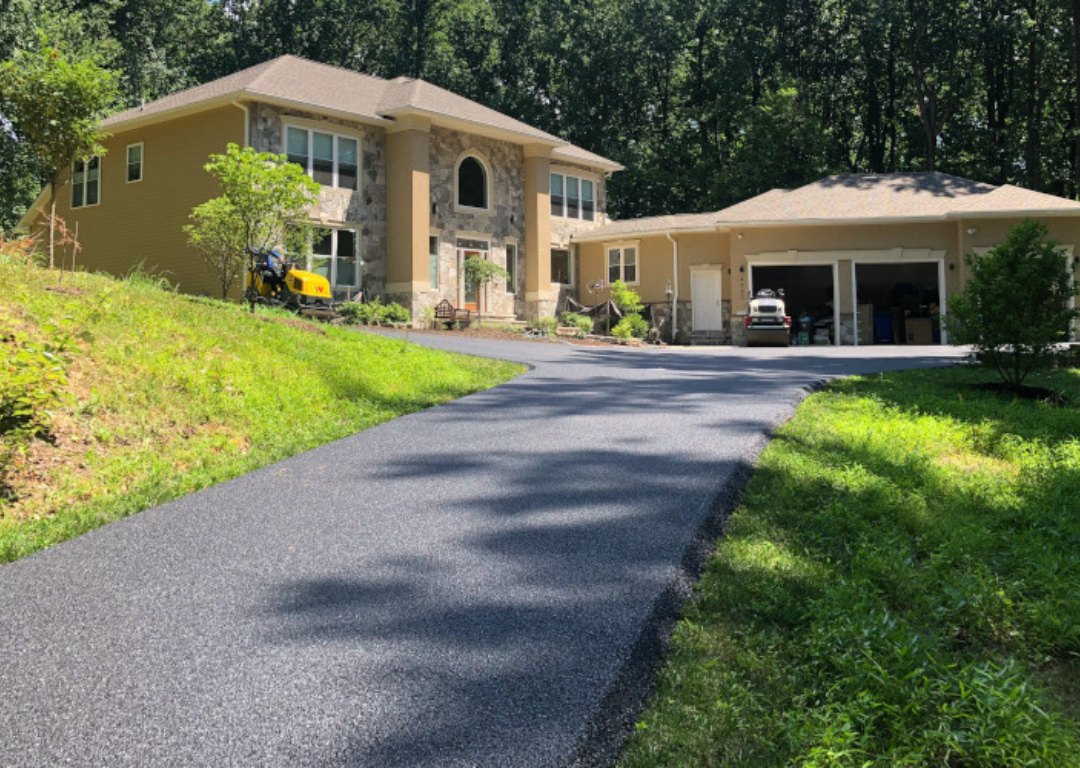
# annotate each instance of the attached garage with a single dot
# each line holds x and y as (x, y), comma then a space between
(810, 295)
(898, 302)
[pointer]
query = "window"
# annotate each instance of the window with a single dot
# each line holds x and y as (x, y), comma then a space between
(472, 183)
(562, 266)
(622, 264)
(557, 199)
(85, 182)
(511, 267)
(134, 162)
(573, 197)
(433, 262)
(335, 257)
(330, 159)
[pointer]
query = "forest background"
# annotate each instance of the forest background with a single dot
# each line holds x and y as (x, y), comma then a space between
(706, 102)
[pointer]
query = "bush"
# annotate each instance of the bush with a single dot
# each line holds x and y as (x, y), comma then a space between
(626, 299)
(374, 312)
(631, 326)
(583, 324)
(33, 377)
(546, 324)
(1014, 309)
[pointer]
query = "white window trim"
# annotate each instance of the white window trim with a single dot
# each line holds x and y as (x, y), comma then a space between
(314, 126)
(488, 182)
(566, 171)
(621, 247)
(101, 167)
(127, 162)
(571, 264)
(311, 255)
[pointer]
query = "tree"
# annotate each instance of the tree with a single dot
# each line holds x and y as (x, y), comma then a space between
(1014, 309)
(56, 104)
(264, 204)
(480, 271)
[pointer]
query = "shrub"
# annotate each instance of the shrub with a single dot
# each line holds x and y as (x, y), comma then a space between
(1014, 309)
(582, 323)
(374, 312)
(33, 377)
(546, 324)
(626, 299)
(631, 326)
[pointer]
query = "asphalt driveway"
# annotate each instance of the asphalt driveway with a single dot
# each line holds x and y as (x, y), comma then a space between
(484, 583)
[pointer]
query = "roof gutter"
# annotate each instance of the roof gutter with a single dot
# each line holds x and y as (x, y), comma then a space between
(599, 236)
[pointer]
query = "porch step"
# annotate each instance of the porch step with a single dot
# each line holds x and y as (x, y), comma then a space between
(708, 338)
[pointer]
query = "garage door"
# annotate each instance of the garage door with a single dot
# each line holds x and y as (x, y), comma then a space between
(809, 295)
(898, 303)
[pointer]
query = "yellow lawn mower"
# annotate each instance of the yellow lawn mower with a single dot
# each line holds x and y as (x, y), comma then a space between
(276, 282)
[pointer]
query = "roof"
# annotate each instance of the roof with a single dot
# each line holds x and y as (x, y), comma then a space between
(890, 196)
(321, 87)
(851, 199)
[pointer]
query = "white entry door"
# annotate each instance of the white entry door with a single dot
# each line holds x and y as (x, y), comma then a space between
(705, 298)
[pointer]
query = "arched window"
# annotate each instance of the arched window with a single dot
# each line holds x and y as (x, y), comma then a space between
(472, 185)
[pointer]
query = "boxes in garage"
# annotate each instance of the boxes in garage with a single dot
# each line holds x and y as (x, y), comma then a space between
(920, 330)
(864, 321)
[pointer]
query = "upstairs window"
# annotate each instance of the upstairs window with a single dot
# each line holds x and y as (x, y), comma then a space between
(330, 159)
(573, 197)
(85, 182)
(472, 183)
(134, 162)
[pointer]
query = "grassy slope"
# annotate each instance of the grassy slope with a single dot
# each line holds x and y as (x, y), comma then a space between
(173, 394)
(900, 586)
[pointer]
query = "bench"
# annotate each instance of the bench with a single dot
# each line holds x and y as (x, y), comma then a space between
(446, 314)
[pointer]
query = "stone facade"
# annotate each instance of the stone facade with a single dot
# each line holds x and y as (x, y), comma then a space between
(503, 222)
(363, 210)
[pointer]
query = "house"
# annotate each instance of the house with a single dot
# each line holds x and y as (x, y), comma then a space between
(867, 258)
(415, 179)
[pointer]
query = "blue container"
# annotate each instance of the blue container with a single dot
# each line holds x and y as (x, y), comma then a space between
(883, 328)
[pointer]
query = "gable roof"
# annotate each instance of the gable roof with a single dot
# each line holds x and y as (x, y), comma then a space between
(854, 199)
(296, 81)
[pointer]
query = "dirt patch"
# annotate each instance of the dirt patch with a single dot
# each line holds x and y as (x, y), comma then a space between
(294, 322)
(66, 290)
(499, 334)
(1038, 394)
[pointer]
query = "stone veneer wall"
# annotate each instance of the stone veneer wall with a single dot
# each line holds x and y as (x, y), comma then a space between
(503, 221)
(364, 210)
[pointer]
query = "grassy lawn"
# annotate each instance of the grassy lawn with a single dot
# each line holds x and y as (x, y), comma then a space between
(900, 586)
(172, 394)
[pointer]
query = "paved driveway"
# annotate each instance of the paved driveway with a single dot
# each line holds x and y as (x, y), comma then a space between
(483, 583)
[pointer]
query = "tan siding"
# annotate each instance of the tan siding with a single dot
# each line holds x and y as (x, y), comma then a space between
(142, 221)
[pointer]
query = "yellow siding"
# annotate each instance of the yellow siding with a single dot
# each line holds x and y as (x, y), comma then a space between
(142, 222)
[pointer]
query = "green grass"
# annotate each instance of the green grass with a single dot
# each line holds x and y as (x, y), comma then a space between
(900, 586)
(173, 394)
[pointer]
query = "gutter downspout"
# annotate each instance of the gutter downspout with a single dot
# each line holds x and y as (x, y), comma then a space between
(674, 286)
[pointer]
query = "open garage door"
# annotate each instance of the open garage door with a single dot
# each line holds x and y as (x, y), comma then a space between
(810, 296)
(898, 303)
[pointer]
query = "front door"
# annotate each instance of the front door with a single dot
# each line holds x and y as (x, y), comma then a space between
(471, 299)
(705, 297)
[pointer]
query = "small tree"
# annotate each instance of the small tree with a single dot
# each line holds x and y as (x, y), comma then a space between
(1015, 307)
(480, 271)
(56, 104)
(264, 204)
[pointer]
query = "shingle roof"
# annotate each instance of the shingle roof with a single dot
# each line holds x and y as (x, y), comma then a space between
(851, 198)
(320, 86)
(887, 196)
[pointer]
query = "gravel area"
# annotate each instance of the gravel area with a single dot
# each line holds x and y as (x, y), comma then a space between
(486, 583)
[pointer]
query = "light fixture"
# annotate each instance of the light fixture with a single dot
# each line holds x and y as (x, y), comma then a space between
(742, 268)
(951, 266)
(739, 235)
(667, 288)
(972, 231)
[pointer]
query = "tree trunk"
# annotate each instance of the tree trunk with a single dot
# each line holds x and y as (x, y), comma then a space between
(52, 226)
(1076, 95)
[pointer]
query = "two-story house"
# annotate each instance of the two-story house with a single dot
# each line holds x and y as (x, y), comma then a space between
(415, 179)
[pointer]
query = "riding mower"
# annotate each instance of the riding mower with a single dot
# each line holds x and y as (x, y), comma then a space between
(274, 281)
(768, 324)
